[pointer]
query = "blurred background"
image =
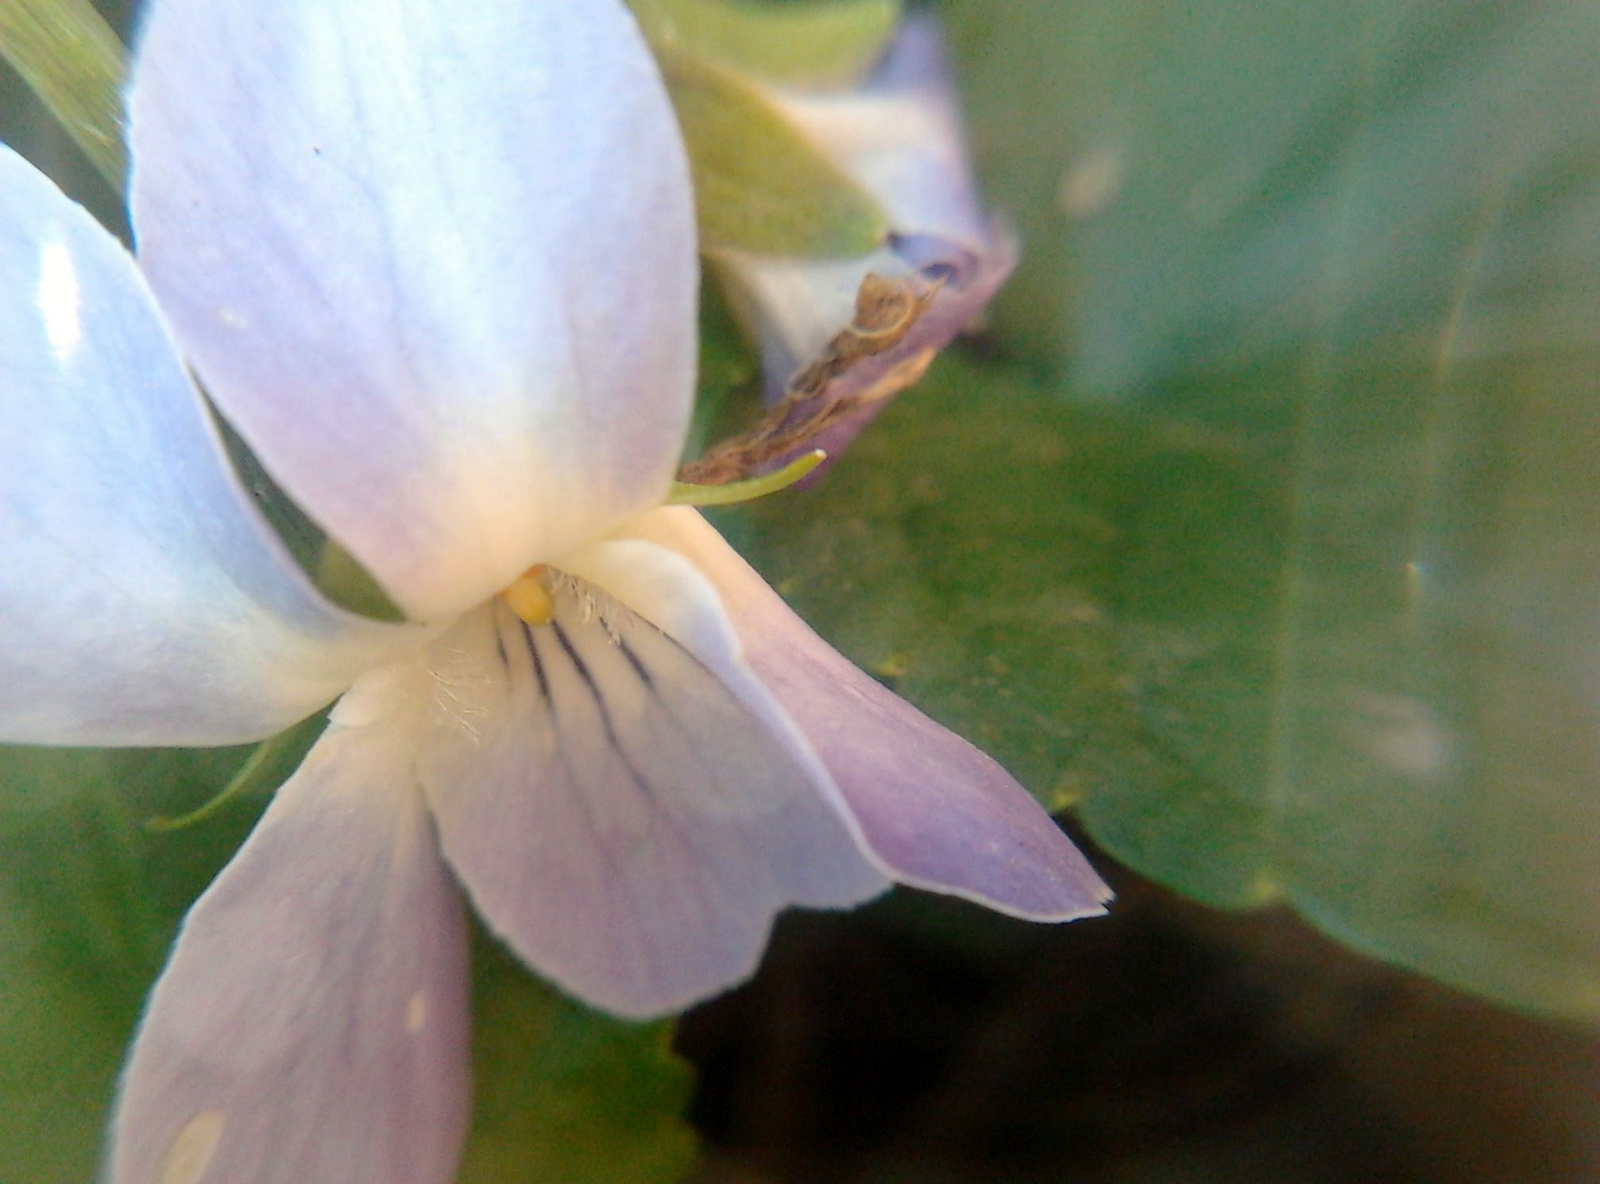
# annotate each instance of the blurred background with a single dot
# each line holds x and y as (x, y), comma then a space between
(1256, 530)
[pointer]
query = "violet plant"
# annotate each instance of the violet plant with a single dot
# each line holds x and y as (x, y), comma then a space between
(1253, 531)
(436, 263)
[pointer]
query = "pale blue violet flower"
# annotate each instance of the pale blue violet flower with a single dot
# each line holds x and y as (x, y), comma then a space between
(435, 261)
(836, 349)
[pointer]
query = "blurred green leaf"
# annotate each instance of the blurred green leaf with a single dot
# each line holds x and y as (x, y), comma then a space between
(90, 900)
(760, 186)
(813, 43)
(1365, 240)
(1203, 185)
(74, 62)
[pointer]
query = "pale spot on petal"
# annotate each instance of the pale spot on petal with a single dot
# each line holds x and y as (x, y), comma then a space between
(416, 1012)
(191, 1151)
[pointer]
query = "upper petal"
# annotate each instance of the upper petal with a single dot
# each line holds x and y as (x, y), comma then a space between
(434, 258)
(934, 809)
(624, 807)
(311, 1027)
(142, 599)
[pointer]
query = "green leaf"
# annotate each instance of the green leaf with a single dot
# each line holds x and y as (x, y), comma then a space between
(88, 903)
(74, 62)
(1209, 643)
(90, 900)
(989, 551)
(1361, 242)
(760, 186)
(727, 367)
(567, 1095)
(814, 43)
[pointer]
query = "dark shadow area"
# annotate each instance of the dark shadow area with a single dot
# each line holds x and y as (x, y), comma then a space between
(921, 1040)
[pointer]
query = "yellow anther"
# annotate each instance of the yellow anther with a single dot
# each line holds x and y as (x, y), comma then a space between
(529, 598)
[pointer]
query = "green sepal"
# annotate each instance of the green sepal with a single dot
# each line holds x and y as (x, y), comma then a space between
(74, 62)
(822, 43)
(688, 493)
(266, 768)
(761, 186)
